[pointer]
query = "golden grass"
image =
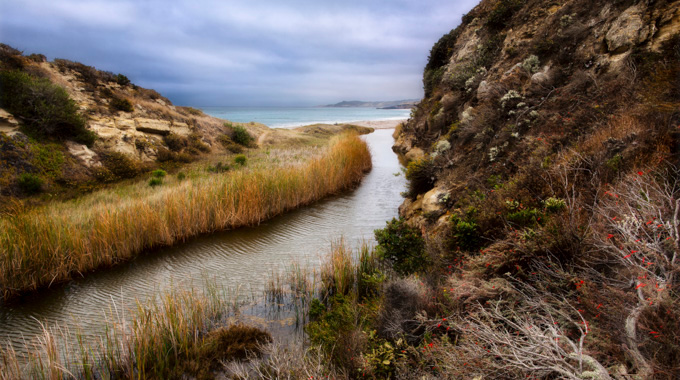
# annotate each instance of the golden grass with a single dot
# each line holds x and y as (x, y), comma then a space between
(165, 340)
(53, 243)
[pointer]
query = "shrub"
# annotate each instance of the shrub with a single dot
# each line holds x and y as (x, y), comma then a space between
(532, 64)
(122, 80)
(465, 233)
(402, 246)
(45, 109)
(175, 142)
(240, 135)
(553, 205)
(240, 159)
(502, 12)
(229, 144)
(421, 176)
(181, 176)
(527, 217)
(120, 104)
(237, 342)
(30, 183)
(164, 155)
(159, 173)
(88, 74)
(218, 168)
(121, 165)
(436, 62)
(153, 182)
(316, 309)
(196, 144)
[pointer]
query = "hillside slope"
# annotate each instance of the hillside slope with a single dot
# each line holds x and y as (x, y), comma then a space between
(70, 127)
(543, 174)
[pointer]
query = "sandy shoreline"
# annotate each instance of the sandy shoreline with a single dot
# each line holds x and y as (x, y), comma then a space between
(378, 124)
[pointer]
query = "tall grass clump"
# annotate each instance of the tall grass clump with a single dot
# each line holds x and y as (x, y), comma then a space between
(181, 334)
(49, 244)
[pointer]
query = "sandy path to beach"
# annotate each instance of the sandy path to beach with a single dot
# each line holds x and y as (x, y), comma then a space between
(379, 124)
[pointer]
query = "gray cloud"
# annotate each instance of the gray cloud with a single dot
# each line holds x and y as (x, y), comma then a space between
(258, 52)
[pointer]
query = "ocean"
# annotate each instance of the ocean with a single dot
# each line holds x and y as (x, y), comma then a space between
(288, 117)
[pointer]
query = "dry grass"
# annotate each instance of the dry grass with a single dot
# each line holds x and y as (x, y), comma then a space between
(53, 243)
(179, 335)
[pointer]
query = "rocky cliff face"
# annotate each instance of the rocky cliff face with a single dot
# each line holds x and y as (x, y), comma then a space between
(543, 174)
(525, 81)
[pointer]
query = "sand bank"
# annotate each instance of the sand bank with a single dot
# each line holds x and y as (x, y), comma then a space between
(379, 124)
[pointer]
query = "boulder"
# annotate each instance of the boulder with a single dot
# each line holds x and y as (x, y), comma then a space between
(543, 77)
(83, 154)
(627, 30)
(434, 200)
(414, 154)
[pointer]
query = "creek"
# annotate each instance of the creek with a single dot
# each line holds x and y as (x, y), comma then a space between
(238, 259)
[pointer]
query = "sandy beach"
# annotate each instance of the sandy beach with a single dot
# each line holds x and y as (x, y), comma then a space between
(379, 124)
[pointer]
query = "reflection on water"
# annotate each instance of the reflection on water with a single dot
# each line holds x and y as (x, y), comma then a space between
(240, 258)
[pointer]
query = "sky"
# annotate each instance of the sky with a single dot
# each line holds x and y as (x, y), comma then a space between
(243, 53)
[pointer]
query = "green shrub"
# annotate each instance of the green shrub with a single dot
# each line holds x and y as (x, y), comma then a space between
(502, 12)
(527, 217)
(240, 135)
(122, 80)
(48, 159)
(402, 246)
(240, 159)
(614, 163)
(553, 205)
(159, 173)
(439, 57)
(330, 325)
(181, 176)
(465, 233)
(30, 183)
(229, 144)
(153, 182)
(121, 104)
(421, 176)
(46, 109)
(316, 309)
(218, 168)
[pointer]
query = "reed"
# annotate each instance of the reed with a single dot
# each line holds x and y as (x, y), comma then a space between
(163, 340)
(181, 333)
(53, 243)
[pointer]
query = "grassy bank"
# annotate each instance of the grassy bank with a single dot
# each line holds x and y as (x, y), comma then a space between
(53, 243)
(189, 333)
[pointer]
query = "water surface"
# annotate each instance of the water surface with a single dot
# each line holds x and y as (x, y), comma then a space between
(284, 117)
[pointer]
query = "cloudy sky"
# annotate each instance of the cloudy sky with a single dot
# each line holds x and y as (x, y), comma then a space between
(236, 53)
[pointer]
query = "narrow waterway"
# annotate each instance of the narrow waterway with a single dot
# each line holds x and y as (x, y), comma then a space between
(241, 258)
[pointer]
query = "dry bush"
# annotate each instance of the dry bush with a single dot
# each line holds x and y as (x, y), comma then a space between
(292, 361)
(659, 337)
(536, 337)
(403, 299)
(637, 234)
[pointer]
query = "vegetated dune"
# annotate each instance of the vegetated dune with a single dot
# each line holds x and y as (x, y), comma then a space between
(50, 244)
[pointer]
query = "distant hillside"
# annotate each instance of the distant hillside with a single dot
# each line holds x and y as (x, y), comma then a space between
(66, 126)
(394, 104)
